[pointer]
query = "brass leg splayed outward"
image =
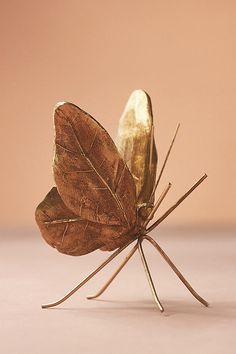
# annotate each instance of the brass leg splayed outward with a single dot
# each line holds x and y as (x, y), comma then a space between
(154, 293)
(147, 271)
(70, 293)
(143, 258)
(127, 258)
(138, 246)
(175, 269)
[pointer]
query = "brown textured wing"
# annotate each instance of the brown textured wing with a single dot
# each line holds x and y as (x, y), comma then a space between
(135, 142)
(72, 235)
(92, 178)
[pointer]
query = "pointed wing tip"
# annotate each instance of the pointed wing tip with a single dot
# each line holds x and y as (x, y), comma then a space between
(62, 109)
(140, 93)
(139, 102)
(59, 104)
(66, 109)
(141, 96)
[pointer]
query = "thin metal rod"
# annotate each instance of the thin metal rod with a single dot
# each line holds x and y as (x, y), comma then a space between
(165, 161)
(127, 258)
(176, 204)
(149, 277)
(175, 269)
(158, 203)
(77, 287)
(151, 148)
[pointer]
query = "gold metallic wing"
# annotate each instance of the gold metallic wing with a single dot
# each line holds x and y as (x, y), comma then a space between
(72, 235)
(135, 142)
(92, 178)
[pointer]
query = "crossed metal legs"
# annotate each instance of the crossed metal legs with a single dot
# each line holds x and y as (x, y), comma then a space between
(137, 246)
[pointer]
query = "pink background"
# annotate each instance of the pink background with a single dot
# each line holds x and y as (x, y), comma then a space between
(94, 53)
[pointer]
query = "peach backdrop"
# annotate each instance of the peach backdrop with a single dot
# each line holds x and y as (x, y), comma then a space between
(94, 53)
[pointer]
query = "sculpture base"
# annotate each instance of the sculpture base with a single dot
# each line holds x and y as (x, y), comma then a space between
(138, 246)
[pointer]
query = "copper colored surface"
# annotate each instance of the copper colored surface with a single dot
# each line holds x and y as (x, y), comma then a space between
(99, 201)
(92, 178)
(95, 204)
(72, 235)
(140, 238)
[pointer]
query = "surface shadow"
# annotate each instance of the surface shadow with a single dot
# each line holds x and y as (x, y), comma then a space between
(223, 310)
(217, 309)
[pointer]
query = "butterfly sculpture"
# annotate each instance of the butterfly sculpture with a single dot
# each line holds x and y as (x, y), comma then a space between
(104, 196)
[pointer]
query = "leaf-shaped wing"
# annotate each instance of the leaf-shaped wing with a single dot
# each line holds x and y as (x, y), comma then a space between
(92, 178)
(72, 235)
(135, 142)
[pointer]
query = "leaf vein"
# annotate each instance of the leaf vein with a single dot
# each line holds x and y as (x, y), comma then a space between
(115, 196)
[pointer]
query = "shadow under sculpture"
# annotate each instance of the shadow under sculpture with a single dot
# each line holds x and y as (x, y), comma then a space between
(138, 246)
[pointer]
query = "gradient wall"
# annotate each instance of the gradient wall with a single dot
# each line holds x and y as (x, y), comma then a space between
(94, 53)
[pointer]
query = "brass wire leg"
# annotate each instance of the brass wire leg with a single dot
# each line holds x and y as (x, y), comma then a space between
(139, 247)
(147, 271)
(165, 161)
(150, 281)
(175, 269)
(77, 287)
(127, 258)
(146, 268)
